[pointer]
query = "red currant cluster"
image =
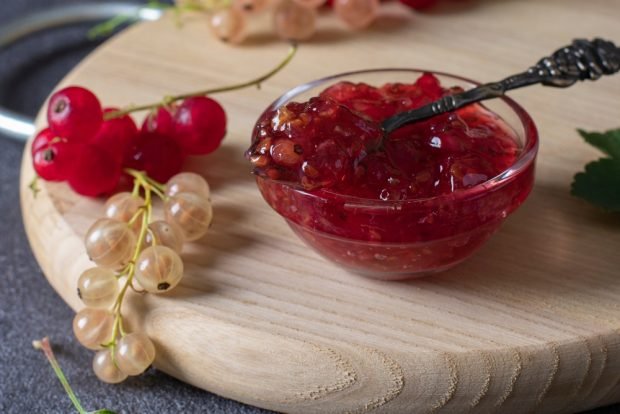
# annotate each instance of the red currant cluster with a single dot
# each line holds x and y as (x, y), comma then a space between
(89, 146)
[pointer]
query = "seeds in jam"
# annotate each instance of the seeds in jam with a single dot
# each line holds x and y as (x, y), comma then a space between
(334, 142)
(316, 144)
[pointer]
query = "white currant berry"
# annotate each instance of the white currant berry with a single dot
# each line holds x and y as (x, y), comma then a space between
(97, 287)
(357, 14)
(188, 182)
(228, 25)
(191, 213)
(159, 269)
(123, 206)
(162, 233)
(110, 243)
(93, 327)
(105, 369)
(293, 21)
(134, 353)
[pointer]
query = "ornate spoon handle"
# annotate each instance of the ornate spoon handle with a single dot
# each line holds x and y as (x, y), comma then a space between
(582, 60)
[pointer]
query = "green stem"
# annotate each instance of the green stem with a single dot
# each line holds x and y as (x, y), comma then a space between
(155, 184)
(154, 4)
(157, 188)
(141, 180)
(172, 99)
(159, 193)
(107, 27)
(45, 346)
(34, 186)
(136, 215)
(136, 189)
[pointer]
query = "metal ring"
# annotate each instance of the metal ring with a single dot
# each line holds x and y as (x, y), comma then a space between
(20, 127)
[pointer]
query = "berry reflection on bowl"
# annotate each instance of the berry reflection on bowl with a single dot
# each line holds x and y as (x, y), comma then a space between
(417, 202)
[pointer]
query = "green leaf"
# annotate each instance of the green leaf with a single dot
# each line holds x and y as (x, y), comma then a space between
(104, 411)
(600, 184)
(608, 142)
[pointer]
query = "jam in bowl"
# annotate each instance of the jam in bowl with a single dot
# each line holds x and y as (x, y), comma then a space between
(415, 202)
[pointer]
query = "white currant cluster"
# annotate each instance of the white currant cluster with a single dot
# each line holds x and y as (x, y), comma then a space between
(131, 250)
(292, 19)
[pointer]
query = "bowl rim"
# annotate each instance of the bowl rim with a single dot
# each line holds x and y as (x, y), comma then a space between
(523, 161)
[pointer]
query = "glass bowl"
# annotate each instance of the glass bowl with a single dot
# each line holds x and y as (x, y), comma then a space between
(408, 238)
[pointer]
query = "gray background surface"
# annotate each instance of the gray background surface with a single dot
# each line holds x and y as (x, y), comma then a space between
(29, 308)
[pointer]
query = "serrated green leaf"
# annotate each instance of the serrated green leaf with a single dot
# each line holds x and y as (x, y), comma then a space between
(600, 184)
(608, 142)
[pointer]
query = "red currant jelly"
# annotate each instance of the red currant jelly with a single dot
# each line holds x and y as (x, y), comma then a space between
(418, 201)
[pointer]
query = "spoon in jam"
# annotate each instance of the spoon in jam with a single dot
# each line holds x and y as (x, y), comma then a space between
(348, 136)
(582, 60)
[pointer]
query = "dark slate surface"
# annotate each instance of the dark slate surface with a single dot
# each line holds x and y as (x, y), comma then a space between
(29, 308)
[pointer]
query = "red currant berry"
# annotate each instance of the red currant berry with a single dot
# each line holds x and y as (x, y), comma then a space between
(42, 140)
(125, 184)
(420, 4)
(160, 122)
(74, 113)
(200, 125)
(116, 135)
(51, 156)
(158, 155)
(96, 171)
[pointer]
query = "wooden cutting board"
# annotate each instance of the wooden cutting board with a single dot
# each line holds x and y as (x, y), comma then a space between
(530, 324)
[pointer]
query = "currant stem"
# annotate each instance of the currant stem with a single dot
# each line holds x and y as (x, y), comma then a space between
(135, 217)
(107, 27)
(121, 328)
(44, 345)
(136, 189)
(257, 81)
(168, 101)
(34, 186)
(159, 193)
(141, 180)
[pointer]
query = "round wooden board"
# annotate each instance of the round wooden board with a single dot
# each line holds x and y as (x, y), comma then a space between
(530, 324)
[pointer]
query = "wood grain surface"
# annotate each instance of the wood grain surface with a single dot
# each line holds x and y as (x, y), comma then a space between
(530, 324)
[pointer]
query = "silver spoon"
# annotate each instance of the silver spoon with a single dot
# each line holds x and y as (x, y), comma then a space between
(582, 60)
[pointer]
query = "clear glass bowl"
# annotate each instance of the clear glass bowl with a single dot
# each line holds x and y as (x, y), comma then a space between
(425, 235)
